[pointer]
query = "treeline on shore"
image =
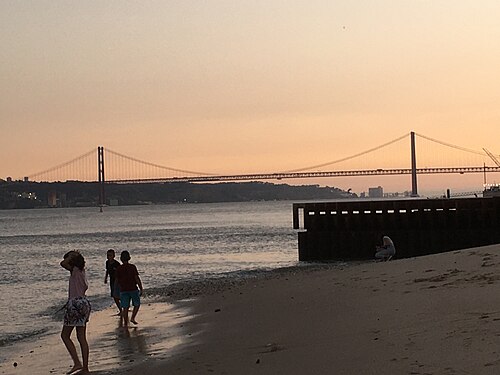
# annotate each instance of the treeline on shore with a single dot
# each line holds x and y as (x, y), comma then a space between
(20, 194)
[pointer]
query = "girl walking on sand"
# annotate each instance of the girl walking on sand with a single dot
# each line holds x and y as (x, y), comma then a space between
(77, 311)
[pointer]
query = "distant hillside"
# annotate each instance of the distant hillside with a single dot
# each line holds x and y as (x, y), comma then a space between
(78, 194)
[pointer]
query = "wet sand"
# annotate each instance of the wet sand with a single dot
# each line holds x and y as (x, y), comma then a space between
(112, 347)
(438, 314)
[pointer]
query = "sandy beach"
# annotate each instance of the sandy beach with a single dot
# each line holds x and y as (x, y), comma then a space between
(112, 347)
(438, 314)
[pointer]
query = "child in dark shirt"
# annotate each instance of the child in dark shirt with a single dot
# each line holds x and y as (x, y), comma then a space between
(128, 279)
(111, 265)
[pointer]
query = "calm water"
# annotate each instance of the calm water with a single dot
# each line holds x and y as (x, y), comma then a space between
(168, 243)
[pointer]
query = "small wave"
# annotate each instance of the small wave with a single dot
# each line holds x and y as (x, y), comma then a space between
(56, 311)
(210, 284)
(10, 338)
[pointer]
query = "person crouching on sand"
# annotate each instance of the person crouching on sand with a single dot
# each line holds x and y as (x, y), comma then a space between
(387, 250)
(77, 311)
(128, 280)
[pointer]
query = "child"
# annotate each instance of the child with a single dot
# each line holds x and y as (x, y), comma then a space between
(111, 265)
(128, 281)
(77, 311)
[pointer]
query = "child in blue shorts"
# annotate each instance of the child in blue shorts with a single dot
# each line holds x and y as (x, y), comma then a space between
(128, 280)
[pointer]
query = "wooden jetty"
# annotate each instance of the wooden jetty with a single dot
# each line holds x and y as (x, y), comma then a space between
(352, 229)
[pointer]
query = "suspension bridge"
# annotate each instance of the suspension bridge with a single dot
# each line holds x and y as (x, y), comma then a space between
(441, 158)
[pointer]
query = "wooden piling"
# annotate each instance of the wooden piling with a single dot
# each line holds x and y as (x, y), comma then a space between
(352, 229)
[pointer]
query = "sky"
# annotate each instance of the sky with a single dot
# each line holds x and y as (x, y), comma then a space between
(230, 87)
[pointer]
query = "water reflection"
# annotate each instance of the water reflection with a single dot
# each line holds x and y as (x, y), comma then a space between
(114, 346)
(130, 341)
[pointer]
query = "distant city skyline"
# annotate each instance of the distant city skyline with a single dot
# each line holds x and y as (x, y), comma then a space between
(235, 86)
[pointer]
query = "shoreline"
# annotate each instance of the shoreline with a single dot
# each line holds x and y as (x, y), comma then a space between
(435, 314)
(166, 308)
(112, 347)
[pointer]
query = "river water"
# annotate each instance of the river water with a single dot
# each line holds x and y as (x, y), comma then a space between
(168, 243)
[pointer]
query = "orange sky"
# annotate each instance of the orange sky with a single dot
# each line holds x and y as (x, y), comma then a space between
(246, 86)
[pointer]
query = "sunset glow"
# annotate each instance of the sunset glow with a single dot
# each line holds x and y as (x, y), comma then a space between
(250, 86)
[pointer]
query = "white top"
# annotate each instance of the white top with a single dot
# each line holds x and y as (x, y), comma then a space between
(389, 245)
(77, 283)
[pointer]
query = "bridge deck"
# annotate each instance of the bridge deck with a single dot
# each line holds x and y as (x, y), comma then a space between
(352, 229)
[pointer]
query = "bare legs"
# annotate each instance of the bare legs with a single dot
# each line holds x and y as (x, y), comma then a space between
(125, 316)
(84, 346)
(81, 335)
(117, 302)
(134, 314)
(132, 318)
(66, 338)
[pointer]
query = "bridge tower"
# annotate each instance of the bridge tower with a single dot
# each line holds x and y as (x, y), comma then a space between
(414, 191)
(100, 162)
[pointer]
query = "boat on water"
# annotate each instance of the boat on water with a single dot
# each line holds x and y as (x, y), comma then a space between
(491, 190)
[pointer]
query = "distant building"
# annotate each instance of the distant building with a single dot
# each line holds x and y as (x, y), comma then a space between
(376, 192)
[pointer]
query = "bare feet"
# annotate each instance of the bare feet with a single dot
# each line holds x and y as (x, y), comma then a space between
(75, 368)
(82, 372)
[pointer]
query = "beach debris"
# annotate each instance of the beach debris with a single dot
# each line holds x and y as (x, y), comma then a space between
(272, 347)
(217, 310)
(257, 361)
(15, 364)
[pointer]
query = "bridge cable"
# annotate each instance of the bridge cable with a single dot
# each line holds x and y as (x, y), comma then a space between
(451, 145)
(157, 165)
(61, 165)
(348, 157)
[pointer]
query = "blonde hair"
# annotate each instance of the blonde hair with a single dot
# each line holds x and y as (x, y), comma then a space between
(387, 240)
